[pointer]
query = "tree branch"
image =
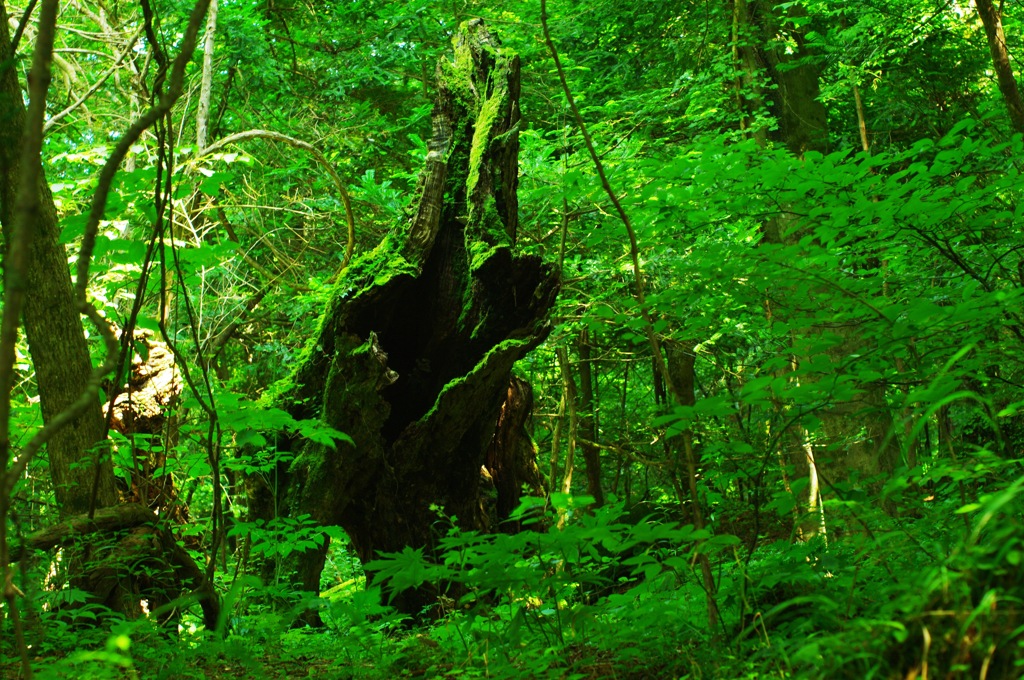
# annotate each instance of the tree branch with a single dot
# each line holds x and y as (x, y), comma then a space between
(56, 118)
(317, 156)
(124, 145)
(206, 86)
(25, 16)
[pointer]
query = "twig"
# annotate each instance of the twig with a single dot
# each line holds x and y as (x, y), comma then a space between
(25, 16)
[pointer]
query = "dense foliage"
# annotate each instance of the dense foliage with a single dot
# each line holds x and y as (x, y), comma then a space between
(778, 420)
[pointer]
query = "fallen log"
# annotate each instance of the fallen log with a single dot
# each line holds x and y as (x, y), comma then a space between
(142, 547)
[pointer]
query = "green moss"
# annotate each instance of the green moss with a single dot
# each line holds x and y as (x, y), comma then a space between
(288, 386)
(478, 253)
(366, 272)
(373, 269)
(486, 236)
(483, 365)
(341, 385)
(484, 103)
(458, 73)
(482, 134)
(481, 325)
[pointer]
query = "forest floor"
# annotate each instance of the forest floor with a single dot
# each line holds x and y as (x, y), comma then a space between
(236, 659)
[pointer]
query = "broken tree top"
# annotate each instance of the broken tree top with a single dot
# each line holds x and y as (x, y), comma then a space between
(477, 113)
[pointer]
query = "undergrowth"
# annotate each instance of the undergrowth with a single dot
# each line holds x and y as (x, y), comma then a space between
(587, 594)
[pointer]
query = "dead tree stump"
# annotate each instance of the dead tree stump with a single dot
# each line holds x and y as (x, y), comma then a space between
(414, 354)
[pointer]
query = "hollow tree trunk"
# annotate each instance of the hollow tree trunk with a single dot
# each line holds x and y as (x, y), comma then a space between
(414, 355)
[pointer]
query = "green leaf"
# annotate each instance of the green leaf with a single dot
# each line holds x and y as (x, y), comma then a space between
(211, 185)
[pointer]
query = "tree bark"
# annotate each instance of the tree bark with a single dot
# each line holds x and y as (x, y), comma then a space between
(415, 352)
(749, 98)
(795, 101)
(572, 418)
(206, 85)
(681, 361)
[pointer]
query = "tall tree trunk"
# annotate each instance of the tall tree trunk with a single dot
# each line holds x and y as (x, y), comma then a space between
(82, 473)
(570, 396)
(802, 119)
(1001, 61)
(681, 361)
(856, 431)
(53, 325)
(416, 348)
(587, 420)
(749, 98)
(206, 85)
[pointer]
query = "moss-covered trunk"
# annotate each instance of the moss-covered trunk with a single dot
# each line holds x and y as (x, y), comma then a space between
(414, 354)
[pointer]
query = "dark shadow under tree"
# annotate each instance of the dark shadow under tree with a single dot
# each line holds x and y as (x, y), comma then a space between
(414, 354)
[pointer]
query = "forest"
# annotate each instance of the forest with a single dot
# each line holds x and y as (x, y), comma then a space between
(537, 339)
